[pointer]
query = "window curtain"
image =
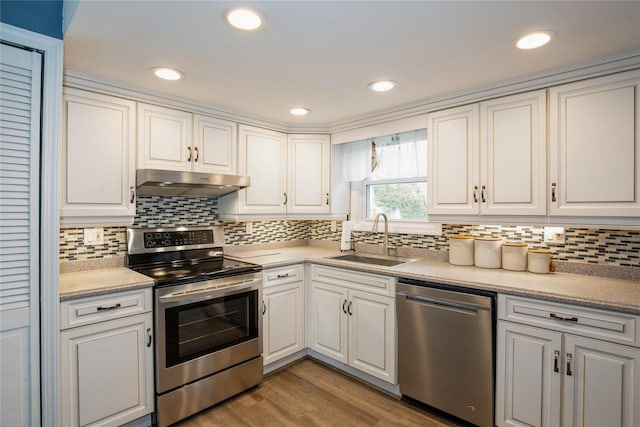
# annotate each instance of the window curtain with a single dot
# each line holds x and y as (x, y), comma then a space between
(401, 155)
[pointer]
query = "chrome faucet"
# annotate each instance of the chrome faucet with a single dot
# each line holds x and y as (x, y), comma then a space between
(385, 239)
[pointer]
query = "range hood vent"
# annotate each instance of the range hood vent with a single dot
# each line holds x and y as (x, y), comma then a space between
(156, 182)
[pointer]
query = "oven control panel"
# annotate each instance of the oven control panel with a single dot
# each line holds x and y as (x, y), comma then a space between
(177, 238)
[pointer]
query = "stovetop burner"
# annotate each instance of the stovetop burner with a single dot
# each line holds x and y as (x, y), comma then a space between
(181, 255)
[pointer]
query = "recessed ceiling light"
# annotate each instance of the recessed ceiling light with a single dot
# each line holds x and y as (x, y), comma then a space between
(299, 111)
(382, 85)
(244, 19)
(167, 73)
(534, 40)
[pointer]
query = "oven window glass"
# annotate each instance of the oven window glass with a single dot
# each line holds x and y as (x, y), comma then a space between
(197, 329)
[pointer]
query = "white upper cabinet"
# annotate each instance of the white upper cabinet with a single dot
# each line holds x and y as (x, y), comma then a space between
(309, 177)
(595, 147)
(98, 159)
(489, 158)
(164, 138)
(214, 145)
(513, 155)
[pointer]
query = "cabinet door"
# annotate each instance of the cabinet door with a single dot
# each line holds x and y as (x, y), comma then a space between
(263, 156)
(98, 159)
(528, 376)
(328, 321)
(214, 145)
(453, 161)
(284, 321)
(595, 147)
(309, 174)
(107, 372)
(513, 155)
(604, 386)
(372, 337)
(164, 138)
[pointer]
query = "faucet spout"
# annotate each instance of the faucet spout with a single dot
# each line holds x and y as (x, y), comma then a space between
(385, 238)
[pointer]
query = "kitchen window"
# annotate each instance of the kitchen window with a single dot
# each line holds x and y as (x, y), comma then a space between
(389, 175)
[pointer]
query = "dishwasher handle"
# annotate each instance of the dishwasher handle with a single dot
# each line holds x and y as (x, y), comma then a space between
(439, 302)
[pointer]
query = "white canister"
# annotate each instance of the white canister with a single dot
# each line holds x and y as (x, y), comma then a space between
(539, 260)
(514, 256)
(461, 250)
(487, 252)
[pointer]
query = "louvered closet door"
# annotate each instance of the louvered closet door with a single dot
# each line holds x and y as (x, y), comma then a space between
(20, 83)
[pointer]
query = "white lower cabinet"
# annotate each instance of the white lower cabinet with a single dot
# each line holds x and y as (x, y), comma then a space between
(353, 326)
(283, 312)
(557, 377)
(106, 371)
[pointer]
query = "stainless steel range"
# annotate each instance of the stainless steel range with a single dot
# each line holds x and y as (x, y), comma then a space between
(207, 322)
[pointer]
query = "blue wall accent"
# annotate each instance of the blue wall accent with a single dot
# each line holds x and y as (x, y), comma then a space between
(44, 17)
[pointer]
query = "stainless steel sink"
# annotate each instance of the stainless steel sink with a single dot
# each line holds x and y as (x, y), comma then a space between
(387, 261)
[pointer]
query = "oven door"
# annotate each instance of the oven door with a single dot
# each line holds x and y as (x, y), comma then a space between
(205, 327)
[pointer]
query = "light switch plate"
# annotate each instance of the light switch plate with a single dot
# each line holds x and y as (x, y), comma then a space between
(554, 235)
(248, 228)
(93, 236)
(334, 226)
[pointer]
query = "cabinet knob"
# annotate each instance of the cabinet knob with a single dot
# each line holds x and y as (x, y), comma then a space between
(327, 199)
(556, 359)
(286, 198)
(569, 357)
(483, 194)
(264, 308)
(344, 310)
(188, 154)
(349, 308)
(132, 191)
(475, 194)
(553, 191)
(149, 337)
(197, 154)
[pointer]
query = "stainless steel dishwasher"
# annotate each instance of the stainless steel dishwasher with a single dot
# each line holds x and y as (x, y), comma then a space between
(445, 348)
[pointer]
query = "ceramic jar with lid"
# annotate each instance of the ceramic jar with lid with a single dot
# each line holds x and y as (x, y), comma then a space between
(487, 252)
(461, 250)
(514, 256)
(539, 260)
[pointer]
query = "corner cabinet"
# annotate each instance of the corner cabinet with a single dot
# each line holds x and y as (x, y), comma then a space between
(283, 312)
(489, 158)
(595, 147)
(98, 159)
(562, 365)
(106, 356)
(352, 320)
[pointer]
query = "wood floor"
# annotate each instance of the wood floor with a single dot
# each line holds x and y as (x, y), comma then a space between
(309, 393)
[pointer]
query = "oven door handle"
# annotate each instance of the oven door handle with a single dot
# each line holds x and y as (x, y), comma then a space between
(199, 293)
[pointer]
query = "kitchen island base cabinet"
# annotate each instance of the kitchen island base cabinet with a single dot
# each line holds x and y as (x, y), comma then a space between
(549, 377)
(354, 327)
(106, 371)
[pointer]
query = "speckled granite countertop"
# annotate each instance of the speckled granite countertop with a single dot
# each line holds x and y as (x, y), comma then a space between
(593, 291)
(79, 284)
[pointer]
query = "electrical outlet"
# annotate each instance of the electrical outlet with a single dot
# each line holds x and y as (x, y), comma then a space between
(554, 235)
(93, 236)
(334, 226)
(248, 228)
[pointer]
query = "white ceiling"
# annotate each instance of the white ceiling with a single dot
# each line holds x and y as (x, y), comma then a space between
(322, 54)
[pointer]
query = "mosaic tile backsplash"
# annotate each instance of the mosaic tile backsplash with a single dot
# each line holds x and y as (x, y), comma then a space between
(606, 247)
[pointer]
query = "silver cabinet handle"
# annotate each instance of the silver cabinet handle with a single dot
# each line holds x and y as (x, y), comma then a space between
(111, 307)
(189, 155)
(475, 194)
(569, 357)
(553, 191)
(483, 193)
(344, 310)
(197, 154)
(327, 199)
(563, 318)
(132, 191)
(349, 308)
(556, 358)
(282, 276)
(286, 198)
(149, 337)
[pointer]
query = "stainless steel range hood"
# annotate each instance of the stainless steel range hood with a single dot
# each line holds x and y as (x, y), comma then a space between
(156, 182)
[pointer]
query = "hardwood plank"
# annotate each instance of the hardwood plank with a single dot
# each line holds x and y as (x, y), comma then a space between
(311, 394)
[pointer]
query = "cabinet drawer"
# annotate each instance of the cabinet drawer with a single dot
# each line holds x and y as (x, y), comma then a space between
(588, 322)
(383, 285)
(85, 311)
(282, 275)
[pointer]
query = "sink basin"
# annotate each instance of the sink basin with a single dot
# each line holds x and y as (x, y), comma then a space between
(387, 261)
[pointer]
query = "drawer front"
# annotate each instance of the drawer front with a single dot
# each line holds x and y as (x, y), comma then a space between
(589, 322)
(282, 275)
(383, 285)
(85, 311)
